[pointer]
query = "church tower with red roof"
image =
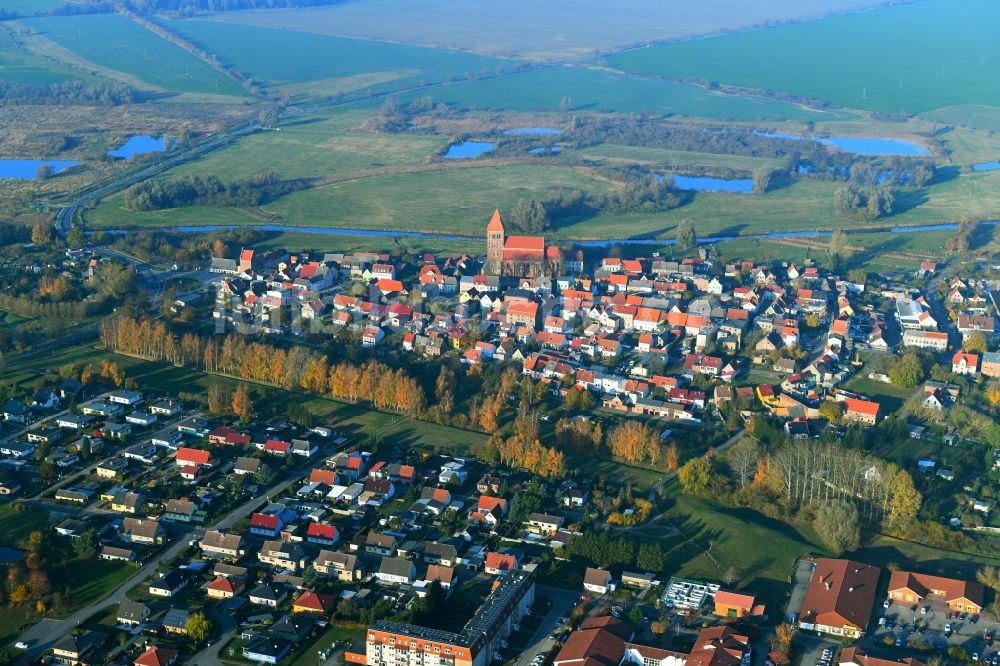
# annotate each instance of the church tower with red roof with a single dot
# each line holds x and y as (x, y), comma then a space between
(494, 244)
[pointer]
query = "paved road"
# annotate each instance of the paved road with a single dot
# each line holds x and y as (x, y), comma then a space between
(562, 602)
(64, 218)
(48, 632)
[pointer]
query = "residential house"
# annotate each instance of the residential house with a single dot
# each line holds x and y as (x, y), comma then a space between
(266, 649)
(496, 563)
(77, 650)
(861, 411)
(312, 603)
(540, 523)
(145, 531)
(344, 566)
(223, 588)
(175, 621)
(223, 546)
(913, 588)
(131, 613)
(168, 584)
(188, 456)
(396, 570)
(598, 581)
(267, 595)
(963, 363)
(157, 656)
(287, 555)
(324, 535)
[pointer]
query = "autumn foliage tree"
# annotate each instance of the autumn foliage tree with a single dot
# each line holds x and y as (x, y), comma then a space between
(633, 442)
(298, 368)
(242, 404)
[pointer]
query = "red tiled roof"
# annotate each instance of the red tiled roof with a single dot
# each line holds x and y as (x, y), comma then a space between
(194, 455)
(841, 592)
(496, 224)
(322, 531)
(501, 561)
(156, 656)
(861, 406)
(265, 521)
(313, 601)
(327, 476)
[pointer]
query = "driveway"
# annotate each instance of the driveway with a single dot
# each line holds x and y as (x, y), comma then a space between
(562, 602)
(800, 583)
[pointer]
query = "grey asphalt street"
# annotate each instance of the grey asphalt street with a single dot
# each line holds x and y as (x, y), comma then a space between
(48, 632)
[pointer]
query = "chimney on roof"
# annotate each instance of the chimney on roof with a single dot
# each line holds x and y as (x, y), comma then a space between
(850, 589)
(827, 585)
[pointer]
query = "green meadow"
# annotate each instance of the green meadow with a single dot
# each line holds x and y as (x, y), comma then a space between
(113, 42)
(458, 201)
(20, 66)
(910, 57)
(315, 147)
(592, 90)
(324, 64)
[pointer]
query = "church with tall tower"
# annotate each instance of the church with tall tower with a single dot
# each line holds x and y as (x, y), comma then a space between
(518, 256)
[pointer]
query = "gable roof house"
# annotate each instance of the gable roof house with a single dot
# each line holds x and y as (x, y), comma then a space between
(168, 584)
(840, 598)
(396, 570)
(961, 596)
(223, 587)
(223, 546)
(345, 566)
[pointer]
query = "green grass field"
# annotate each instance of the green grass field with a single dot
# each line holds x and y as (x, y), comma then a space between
(90, 580)
(315, 147)
(15, 526)
(284, 58)
(595, 90)
(978, 117)
(19, 66)
(904, 58)
(115, 43)
(672, 158)
(716, 538)
(29, 7)
(533, 29)
(458, 201)
(890, 397)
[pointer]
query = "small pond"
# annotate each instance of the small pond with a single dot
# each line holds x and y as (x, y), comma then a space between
(468, 149)
(28, 169)
(538, 131)
(544, 150)
(986, 166)
(706, 184)
(10, 555)
(861, 145)
(139, 145)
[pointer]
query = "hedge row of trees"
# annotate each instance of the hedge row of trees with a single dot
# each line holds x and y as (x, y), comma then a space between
(604, 550)
(294, 368)
(69, 93)
(32, 308)
(207, 191)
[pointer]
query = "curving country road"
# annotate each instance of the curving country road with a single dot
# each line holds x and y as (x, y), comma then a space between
(66, 215)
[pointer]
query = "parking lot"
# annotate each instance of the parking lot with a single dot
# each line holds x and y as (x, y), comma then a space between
(932, 624)
(816, 650)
